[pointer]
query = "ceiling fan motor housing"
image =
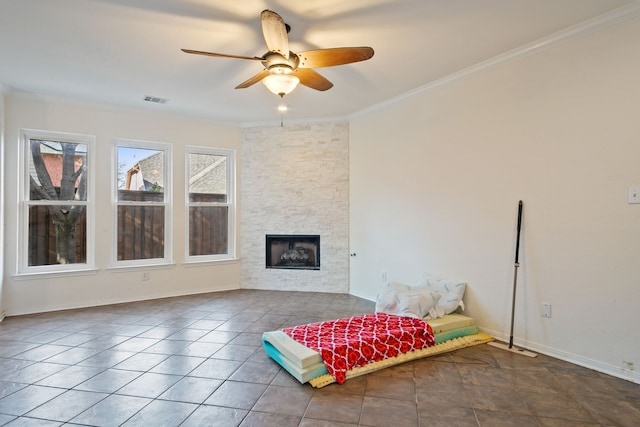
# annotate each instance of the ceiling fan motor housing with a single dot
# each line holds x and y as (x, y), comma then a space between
(278, 64)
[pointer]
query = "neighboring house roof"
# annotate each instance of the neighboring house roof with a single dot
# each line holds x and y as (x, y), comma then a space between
(206, 176)
(146, 173)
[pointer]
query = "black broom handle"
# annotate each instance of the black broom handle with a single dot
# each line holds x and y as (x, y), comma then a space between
(515, 272)
(519, 226)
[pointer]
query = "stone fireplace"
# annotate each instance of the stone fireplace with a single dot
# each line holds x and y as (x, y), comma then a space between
(293, 251)
(295, 180)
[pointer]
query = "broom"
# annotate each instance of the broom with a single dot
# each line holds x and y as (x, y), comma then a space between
(510, 347)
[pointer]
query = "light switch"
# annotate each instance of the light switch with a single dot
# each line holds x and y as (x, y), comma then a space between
(546, 309)
(634, 195)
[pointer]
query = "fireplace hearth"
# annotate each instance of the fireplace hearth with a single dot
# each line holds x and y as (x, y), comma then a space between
(293, 251)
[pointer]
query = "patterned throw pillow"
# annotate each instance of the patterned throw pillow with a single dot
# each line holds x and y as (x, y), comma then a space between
(404, 300)
(451, 293)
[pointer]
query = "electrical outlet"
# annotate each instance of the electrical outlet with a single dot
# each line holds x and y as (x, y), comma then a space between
(634, 195)
(383, 276)
(145, 276)
(627, 366)
(546, 310)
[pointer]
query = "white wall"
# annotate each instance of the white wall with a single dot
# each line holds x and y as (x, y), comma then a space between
(295, 180)
(108, 286)
(435, 180)
(2, 311)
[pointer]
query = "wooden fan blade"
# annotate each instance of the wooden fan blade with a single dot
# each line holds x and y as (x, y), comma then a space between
(335, 56)
(275, 33)
(312, 79)
(253, 80)
(222, 55)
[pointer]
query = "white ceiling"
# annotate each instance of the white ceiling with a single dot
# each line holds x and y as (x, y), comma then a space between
(118, 51)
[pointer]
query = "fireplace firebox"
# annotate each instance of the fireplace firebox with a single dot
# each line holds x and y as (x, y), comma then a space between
(293, 251)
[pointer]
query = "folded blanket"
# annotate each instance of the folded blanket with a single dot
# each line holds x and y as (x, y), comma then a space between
(355, 341)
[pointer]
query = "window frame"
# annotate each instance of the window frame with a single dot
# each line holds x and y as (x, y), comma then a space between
(167, 148)
(230, 204)
(24, 203)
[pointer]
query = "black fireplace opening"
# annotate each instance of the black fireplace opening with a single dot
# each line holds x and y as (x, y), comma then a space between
(293, 251)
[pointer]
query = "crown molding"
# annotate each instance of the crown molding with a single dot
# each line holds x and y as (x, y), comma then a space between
(598, 23)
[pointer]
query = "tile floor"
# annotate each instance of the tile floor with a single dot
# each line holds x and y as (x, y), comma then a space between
(198, 361)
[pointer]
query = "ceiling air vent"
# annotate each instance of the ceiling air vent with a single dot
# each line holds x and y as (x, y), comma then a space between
(155, 99)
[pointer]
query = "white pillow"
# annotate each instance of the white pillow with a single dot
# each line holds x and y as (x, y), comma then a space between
(451, 293)
(404, 300)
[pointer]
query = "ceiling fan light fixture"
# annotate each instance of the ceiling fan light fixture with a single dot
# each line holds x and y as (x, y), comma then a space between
(281, 84)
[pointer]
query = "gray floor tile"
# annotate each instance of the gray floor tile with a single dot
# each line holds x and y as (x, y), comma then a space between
(103, 342)
(9, 348)
(108, 381)
(47, 337)
(7, 388)
(34, 372)
(386, 412)
(73, 355)
(141, 362)
(26, 399)
(178, 365)
(336, 407)
(216, 368)
(191, 390)
(255, 373)
(167, 347)
(265, 419)
(135, 344)
(445, 416)
(161, 413)
(220, 337)
(187, 334)
(4, 419)
(505, 419)
(236, 395)
(111, 411)
(66, 406)
(9, 366)
(400, 388)
(215, 416)
(284, 400)
(70, 376)
(106, 359)
(149, 385)
(201, 349)
(33, 422)
(159, 332)
(41, 352)
(496, 399)
(235, 352)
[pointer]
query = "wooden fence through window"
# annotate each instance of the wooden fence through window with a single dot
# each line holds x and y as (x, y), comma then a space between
(208, 225)
(42, 237)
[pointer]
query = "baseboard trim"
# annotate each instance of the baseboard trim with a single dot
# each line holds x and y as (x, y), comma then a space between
(576, 359)
(155, 296)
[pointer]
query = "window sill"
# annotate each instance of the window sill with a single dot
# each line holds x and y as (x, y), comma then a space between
(48, 274)
(125, 268)
(209, 262)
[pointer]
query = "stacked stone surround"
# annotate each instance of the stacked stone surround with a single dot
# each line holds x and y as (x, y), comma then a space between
(295, 180)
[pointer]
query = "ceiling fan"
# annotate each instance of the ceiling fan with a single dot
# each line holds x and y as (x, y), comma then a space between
(283, 69)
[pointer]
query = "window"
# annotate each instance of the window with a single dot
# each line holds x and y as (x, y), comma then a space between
(56, 202)
(143, 203)
(210, 204)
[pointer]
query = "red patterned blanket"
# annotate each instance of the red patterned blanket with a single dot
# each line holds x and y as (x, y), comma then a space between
(355, 341)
